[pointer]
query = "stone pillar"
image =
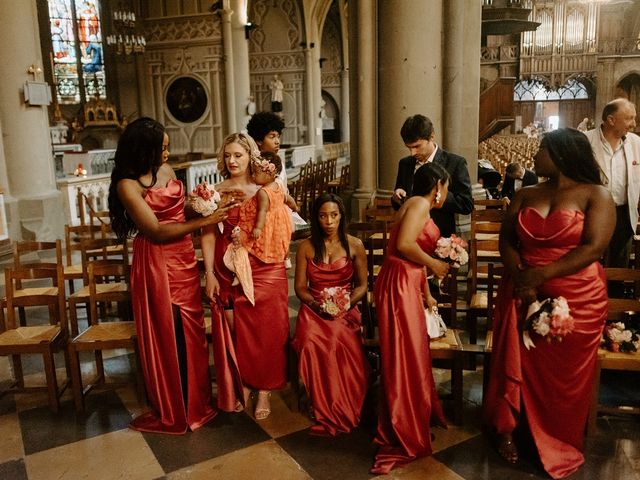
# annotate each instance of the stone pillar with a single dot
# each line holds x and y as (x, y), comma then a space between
(311, 117)
(35, 209)
(364, 105)
(229, 77)
(240, 62)
(606, 90)
(409, 77)
(344, 102)
(461, 80)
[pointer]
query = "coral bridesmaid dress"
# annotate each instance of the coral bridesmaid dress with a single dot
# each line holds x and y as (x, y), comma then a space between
(167, 307)
(332, 363)
(552, 382)
(255, 353)
(409, 399)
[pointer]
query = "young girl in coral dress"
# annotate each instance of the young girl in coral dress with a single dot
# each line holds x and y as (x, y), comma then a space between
(146, 198)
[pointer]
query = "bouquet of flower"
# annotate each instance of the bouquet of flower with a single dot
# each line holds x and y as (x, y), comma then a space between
(550, 318)
(204, 199)
(335, 300)
(452, 249)
(618, 338)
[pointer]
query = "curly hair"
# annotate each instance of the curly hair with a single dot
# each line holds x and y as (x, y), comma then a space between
(262, 123)
(246, 142)
(139, 152)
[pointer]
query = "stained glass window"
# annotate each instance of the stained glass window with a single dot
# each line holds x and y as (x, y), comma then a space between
(76, 33)
(528, 90)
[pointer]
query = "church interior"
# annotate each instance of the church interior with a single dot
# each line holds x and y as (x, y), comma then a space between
(343, 75)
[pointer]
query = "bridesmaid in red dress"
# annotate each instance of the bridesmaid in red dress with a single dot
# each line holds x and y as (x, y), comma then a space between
(332, 363)
(249, 341)
(551, 240)
(409, 400)
(146, 198)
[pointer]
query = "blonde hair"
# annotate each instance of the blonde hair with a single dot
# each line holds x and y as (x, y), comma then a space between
(246, 142)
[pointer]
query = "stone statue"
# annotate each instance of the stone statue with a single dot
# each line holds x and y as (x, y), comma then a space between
(277, 87)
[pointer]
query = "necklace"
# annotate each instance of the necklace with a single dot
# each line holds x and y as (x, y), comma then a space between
(331, 247)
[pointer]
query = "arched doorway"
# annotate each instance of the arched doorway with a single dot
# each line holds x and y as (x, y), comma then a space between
(330, 115)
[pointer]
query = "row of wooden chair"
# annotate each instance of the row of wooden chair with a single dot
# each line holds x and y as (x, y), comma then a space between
(314, 179)
(29, 284)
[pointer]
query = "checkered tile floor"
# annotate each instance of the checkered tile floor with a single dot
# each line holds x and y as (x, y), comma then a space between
(36, 444)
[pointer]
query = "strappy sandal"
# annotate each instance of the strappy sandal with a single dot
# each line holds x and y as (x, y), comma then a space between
(263, 413)
(507, 449)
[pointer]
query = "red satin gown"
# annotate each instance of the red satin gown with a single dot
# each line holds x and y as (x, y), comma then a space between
(255, 353)
(552, 382)
(332, 363)
(409, 401)
(165, 276)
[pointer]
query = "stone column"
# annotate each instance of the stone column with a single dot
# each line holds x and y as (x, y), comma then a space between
(229, 77)
(461, 80)
(364, 105)
(344, 101)
(34, 204)
(410, 77)
(311, 125)
(240, 62)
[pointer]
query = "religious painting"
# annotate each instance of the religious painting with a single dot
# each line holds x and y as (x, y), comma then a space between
(186, 99)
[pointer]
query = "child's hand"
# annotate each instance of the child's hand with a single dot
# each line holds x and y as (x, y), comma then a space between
(256, 233)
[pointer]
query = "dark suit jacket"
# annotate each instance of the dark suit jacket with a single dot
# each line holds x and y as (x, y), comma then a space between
(459, 199)
(508, 186)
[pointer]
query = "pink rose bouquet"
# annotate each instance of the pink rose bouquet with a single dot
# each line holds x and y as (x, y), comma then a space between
(550, 318)
(204, 199)
(334, 300)
(453, 250)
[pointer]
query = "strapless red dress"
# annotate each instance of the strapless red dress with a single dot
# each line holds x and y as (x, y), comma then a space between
(255, 353)
(165, 276)
(552, 382)
(409, 400)
(332, 363)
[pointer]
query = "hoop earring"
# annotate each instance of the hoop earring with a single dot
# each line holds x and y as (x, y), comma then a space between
(438, 196)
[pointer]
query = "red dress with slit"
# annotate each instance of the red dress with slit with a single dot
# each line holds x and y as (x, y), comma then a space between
(409, 402)
(332, 363)
(254, 354)
(165, 276)
(552, 382)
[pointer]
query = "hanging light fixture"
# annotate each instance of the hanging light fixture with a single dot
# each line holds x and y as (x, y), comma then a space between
(125, 40)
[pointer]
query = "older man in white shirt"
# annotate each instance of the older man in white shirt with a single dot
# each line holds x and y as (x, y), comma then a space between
(617, 151)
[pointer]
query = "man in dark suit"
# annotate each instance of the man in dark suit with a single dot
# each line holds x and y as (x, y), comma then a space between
(418, 136)
(516, 177)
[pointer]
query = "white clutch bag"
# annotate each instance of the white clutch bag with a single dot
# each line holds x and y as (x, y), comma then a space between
(436, 327)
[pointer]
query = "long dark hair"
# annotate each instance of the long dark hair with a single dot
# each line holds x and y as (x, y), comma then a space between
(571, 152)
(427, 176)
(317, 234)
(139, 152)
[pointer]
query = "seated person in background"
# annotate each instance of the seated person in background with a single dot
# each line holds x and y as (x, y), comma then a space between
(516, 177)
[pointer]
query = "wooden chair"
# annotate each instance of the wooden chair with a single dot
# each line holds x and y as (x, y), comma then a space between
(102, 334)
(41, 254)
(489, 203)
(96, 249)
(73, 234)
(17, 340)
(620, 309)
(496, 271)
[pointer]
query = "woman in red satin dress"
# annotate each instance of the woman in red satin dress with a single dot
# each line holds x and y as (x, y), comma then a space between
(551, 240)
(332, 362)
(146, 198)
(249, 341)
(409, 400)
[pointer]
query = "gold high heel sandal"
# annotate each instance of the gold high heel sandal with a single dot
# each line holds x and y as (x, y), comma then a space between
(263, 413)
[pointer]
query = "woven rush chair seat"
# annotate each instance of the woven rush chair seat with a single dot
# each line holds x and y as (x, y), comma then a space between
(30, 335)
(109, 331)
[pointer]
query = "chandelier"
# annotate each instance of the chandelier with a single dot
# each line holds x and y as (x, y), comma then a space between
(125, 41)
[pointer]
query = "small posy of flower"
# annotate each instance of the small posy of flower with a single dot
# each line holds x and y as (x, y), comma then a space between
(335, 300)
(618, 338)
(452, 249)
(550, 318)
(204, 199)
(265, 166)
